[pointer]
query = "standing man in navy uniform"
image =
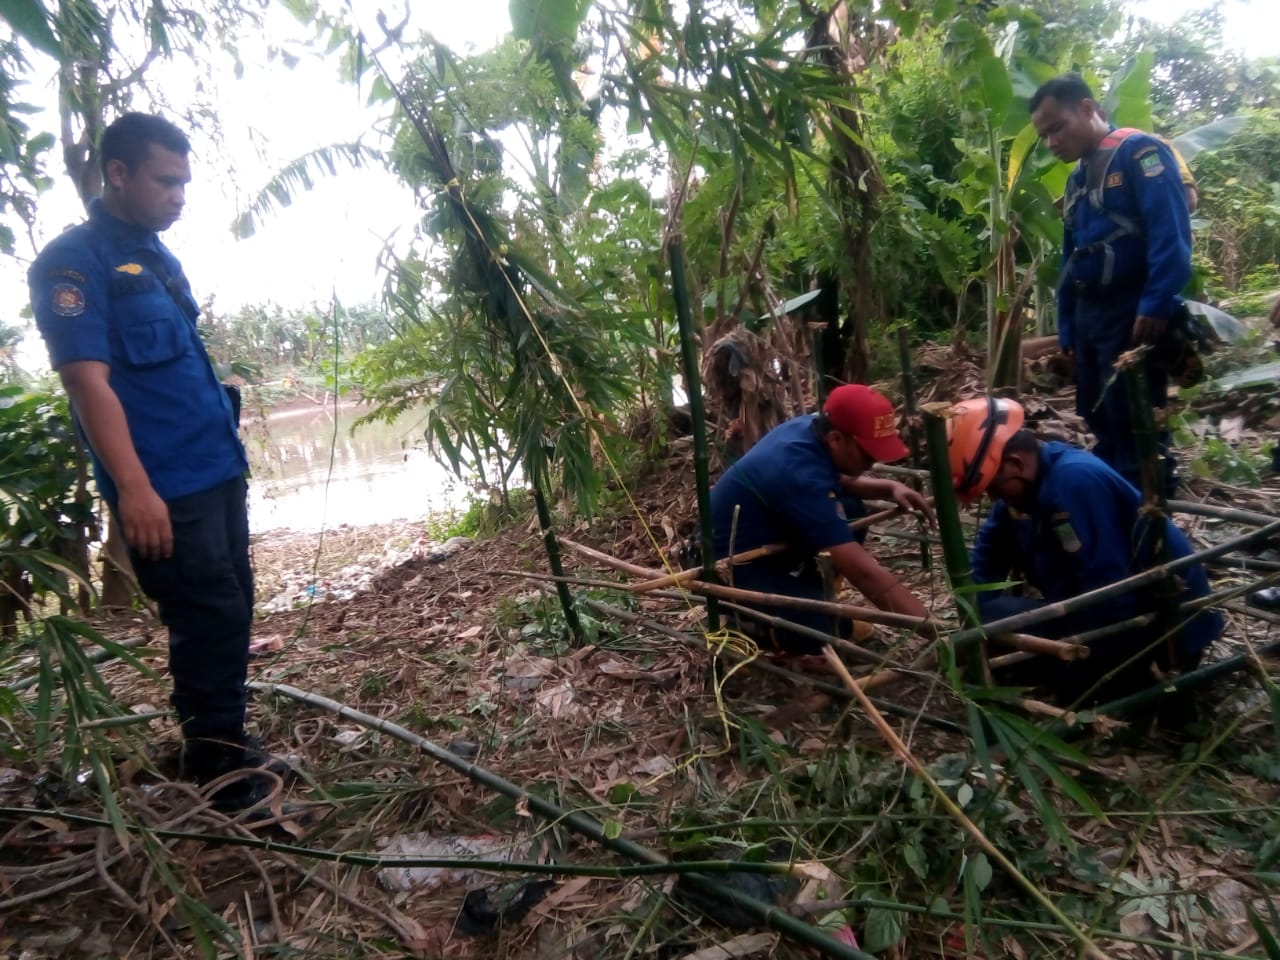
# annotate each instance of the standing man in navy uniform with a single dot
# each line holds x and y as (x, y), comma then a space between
(801, 485)
(1064, 523)
(118, 318)
(1126, 257)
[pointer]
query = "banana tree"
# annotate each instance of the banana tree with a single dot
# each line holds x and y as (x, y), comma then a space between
(1006, 182)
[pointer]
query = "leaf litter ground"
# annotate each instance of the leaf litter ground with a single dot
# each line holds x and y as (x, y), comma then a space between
(470, 655)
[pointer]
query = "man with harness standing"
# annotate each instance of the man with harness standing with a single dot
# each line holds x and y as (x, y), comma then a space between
(1126, 257)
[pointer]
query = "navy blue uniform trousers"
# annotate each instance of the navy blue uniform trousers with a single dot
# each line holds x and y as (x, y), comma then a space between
(205, 595)
(1104, 330)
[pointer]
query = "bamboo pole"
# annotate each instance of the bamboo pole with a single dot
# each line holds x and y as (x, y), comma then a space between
(868, 614)
(575, 820)
(693, 388)
(1059, 649)
(553, 559)
(1021, 621)
(1247, 517)
(893, 470)
(955, 552)
(1190, 680)
(1154, 514)
(1267, 616)
(968, 826)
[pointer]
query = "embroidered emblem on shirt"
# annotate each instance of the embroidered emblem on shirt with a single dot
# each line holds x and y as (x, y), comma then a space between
(67, 300)
(1067, 536)
(133, 269)
(1151, 165)
(73, 275)
(1114, 179)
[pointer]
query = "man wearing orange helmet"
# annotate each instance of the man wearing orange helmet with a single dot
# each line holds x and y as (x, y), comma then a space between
(801, 485)
(1063, 523)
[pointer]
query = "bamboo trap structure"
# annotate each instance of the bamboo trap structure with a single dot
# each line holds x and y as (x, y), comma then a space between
(860, 652)
(576, 821)
(867, 614)
(756, 553)
(765, 666)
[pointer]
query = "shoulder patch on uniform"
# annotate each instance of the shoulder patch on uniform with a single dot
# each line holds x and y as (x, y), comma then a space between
(1114, 179)
(75, 276)
(67, 300)
(1067, 535)
(133, 269)
(1152, 165)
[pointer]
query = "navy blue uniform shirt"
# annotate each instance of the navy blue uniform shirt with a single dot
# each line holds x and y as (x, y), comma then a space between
(98, 295)
(786, 490)
(1152, 267)
(1081, 534)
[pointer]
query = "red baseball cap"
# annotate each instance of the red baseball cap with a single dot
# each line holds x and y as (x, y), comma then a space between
(868, 417)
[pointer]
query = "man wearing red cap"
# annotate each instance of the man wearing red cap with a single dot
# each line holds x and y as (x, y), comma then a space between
(801, 485)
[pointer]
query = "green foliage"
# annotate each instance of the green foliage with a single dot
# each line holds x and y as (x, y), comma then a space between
(44, 521)
(1240, 198)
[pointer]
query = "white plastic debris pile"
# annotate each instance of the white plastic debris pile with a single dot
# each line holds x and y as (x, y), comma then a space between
(484, 846)
(300, 588)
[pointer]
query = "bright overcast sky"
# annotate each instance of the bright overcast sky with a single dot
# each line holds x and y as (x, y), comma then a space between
(327, 243)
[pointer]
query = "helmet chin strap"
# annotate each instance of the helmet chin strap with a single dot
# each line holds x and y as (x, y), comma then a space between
(973, 472)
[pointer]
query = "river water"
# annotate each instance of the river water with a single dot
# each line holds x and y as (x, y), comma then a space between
(309, 470)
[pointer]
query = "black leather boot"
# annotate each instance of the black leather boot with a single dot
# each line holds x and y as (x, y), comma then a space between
(204, 759)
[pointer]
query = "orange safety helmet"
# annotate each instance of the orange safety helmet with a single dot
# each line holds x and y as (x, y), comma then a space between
(977, 432)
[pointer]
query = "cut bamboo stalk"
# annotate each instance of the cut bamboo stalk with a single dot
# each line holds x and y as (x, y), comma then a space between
(1020, 622)
(893, 470)
(574, 820)
(693, 389)
(1247, 517)
(1267, 616)
(968, 826)
(1058, 649)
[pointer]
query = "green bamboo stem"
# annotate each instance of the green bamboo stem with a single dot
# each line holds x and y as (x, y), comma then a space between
(552, 546)
(693, 387)
(1018, 623)
(955, 552)
(897, 709)
(913, 430)
(574, 820)
(1186, 681)
(1155, 511)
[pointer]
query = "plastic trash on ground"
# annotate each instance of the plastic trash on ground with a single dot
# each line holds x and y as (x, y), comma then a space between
(485, 846)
